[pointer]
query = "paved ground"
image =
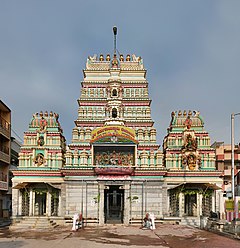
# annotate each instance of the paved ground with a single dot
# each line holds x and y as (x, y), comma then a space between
(166, 236)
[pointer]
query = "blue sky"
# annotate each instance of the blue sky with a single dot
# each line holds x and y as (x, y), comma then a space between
(191, 49)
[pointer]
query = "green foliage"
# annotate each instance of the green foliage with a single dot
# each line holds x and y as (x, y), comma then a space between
(205, 193)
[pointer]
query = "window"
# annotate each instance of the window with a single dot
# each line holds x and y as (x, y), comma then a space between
(114, 113)
(114, 92)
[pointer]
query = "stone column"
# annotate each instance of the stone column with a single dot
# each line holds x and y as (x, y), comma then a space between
(126, 212)
(15, 201)
(60, 212)
(48, 204)
(213, 202)
(199, 204)
(101, 203)
(20, 196)
(165, 201)
(62, 201)
(181, 204)
(31, 204)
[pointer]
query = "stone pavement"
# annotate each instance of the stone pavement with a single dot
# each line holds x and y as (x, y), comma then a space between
(115, 236)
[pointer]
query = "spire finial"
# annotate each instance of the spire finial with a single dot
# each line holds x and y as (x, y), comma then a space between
(115, 38)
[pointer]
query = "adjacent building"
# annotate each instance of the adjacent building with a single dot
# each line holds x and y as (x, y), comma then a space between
(5, 151)
(114, 171)
(224, 163)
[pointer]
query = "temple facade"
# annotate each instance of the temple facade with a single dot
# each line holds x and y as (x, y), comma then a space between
(113, 171)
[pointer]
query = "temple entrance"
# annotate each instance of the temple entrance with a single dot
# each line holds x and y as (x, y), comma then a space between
(191, 205)
(40, 203)
(113, 204)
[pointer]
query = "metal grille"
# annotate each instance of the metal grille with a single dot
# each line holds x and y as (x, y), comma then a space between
(25, 203)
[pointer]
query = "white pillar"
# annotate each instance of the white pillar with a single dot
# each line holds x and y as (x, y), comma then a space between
(213, 202)
(59, 205)
(126, 212)
(48, 204)
(181, 204)
(31, 205)
(101, 203)
(199, 204)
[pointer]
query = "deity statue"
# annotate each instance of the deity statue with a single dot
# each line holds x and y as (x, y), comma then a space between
(39, 159)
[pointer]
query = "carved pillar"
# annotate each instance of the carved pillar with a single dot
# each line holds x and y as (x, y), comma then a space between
(83, 158)
(159, 158)
(75, 158)
(153, 135)
(81, 136)
(49, 160)
(144, 158)
(152, 155)
(140, 135)
(148, 112)
(59, 160)
(146, 135)
(75, 133)
(68, 158)
(88, 134)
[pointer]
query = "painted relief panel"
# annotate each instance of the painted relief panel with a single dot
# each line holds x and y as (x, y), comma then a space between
(114, 155)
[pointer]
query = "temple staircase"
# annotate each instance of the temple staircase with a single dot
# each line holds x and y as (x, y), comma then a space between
(190, 221)
(33, 223)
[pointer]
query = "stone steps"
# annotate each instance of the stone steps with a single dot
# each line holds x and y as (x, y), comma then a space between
(190, 221)
(34, 223)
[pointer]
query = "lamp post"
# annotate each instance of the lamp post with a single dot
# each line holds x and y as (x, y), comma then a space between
(233, 159)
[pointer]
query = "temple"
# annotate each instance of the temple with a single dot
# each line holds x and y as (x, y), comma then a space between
(114, 171)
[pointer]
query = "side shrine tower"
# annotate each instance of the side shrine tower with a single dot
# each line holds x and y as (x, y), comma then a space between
(194, 184)
(113, 171)
(38, 180)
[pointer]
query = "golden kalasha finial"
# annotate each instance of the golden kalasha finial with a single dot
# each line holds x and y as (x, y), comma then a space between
(121, 57)
(101, 57)
(108, 58)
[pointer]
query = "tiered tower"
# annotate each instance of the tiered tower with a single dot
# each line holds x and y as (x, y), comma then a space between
(44, 144)
(187, 144)
(114, 93)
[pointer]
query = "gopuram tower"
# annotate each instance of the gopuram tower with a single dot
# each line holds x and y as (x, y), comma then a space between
(114, 139)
